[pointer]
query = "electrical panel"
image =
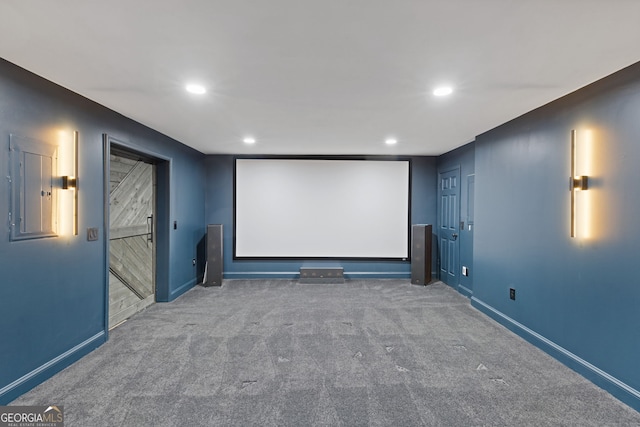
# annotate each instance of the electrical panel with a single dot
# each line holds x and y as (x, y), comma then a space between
(33, 200)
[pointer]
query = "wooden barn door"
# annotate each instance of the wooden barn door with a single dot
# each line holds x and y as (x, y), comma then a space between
(131, 237)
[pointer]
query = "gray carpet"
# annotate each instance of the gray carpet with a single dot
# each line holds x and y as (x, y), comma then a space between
(375, 353)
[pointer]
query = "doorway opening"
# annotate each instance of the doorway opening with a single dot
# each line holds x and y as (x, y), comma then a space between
(136, 212)
(132, 201)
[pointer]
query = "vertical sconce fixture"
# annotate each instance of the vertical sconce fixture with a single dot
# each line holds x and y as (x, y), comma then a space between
(71, 182)
(576, 182)
(68, 182)
(75, 182)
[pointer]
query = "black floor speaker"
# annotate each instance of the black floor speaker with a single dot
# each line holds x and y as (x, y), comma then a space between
(213, 269)
(421, 254)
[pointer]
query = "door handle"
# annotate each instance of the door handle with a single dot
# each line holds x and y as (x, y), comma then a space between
(455, 236)
(150, 228)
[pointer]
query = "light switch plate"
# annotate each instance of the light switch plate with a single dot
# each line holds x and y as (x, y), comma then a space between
(92, 234)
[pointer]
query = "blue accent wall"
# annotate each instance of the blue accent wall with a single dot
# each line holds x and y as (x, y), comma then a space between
(577, 298)
(52, 291)
(219, 210)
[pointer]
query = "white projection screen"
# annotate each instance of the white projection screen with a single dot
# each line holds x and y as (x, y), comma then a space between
(322, 208)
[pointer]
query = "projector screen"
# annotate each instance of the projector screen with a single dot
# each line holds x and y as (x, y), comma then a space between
(321, 208)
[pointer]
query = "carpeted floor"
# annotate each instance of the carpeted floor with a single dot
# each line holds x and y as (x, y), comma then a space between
(374, 352)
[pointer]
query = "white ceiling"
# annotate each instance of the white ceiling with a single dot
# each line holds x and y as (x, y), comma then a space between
(321, 76)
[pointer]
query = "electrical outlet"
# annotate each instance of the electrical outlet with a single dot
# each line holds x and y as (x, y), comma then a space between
(512, 294)
(92, 234)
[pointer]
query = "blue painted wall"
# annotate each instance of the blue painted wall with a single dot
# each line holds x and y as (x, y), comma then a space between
(463, 157)
(52, 291)
(577, 298)
(219, 210)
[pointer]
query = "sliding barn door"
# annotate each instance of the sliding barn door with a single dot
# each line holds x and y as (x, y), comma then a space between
(131, 239)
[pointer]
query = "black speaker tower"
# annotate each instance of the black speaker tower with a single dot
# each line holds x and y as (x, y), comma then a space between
(213, 269)
(421, 254)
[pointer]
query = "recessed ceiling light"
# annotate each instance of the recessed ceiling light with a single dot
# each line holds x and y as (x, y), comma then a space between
(197, 89)
(443, 91)
(391, 141)
(249, 140)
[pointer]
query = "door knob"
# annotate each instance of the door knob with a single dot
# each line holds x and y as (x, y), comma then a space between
(455, 236)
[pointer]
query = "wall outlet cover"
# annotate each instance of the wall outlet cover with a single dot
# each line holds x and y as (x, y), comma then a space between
(92, 234)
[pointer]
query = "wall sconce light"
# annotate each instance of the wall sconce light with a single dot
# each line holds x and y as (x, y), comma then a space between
(75, 182)
(579, 183)
(576, 182)
(68, 182)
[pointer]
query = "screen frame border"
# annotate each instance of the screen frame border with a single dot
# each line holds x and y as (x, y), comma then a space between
(407, 159)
